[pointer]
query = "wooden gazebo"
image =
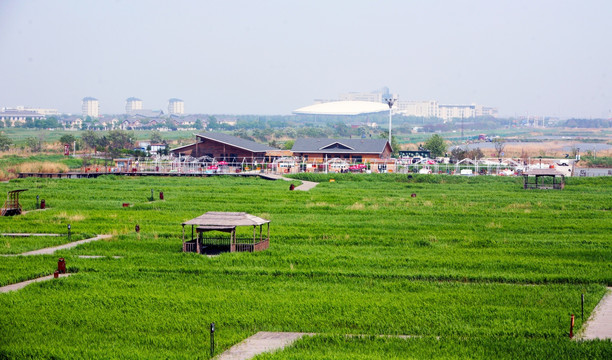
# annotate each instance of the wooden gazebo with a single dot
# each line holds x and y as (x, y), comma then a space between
(225, 222)
(544, 179)
(11, 205)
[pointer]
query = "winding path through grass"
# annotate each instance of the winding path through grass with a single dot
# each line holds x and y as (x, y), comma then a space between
(51, 250)
(306, 185)
(599, 325)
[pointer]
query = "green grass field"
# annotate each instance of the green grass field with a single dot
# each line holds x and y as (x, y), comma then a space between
(472, 267)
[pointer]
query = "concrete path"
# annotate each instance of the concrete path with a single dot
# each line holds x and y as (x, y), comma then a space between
(306, 185)
(23, 284)
(599, 325)
(51, 250)
(259, 343)
(97, 257)
(28, 234)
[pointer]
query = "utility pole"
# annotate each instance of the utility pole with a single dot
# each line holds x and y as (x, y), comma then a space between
(390, 101)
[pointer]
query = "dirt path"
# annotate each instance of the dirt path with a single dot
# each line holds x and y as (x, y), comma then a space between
(259, 343)
(306, 185)
(51, 250)
(599, 324)
(23, 284)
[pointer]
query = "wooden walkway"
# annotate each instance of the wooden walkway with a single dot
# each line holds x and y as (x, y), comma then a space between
(599, 325)
(51, 250)
(259, 343)
(21, 285)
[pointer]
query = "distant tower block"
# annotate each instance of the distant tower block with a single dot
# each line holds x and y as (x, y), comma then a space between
(91, 107)
(176, 107)
(132, 104)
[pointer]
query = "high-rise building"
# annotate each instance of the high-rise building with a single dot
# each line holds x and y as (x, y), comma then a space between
(132, 104)
(91, 107)
(176, 107)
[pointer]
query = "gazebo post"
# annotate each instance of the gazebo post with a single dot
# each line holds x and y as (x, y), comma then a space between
(268, 232)
(254, 226)
(183, 233)
(260, 234)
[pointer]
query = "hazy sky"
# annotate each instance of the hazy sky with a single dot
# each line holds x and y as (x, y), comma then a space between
(271, 57)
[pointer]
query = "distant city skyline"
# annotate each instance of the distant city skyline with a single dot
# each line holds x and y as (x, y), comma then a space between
(271, 57)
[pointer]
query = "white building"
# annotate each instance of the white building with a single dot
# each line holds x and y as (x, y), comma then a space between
(41, 111)
(176, 107)
(132, 104)
(428, 109)
(449, 112)
(91, 107)
(13, 117)
(432, 109)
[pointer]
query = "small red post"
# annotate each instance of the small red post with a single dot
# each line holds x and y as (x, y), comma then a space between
(56, 274)
(126, 204)
(572, 327)
(137, 228)
(291, 187)
(43, 204)
(61, 266)
(161, 195)
(413, 195)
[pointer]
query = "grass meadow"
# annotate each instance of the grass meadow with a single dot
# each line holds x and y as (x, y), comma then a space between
(472, 267)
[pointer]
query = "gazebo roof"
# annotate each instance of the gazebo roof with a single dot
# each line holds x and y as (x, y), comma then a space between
(543, 172)
(224, 220)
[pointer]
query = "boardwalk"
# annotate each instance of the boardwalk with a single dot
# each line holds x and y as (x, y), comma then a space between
(599, 325)
(23, 284)
(259, 343)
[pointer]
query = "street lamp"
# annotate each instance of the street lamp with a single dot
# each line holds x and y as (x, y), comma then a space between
(390, 101)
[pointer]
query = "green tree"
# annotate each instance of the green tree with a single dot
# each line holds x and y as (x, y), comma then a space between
(5, 142)
(394, 143)
(120, 139)
(156, 137)
(198, 124)
(288, 145)
(170, 124)
(500, 146)
(67, 139)
(436, 145)
(35, 144)
(90, 139)
(212, 123)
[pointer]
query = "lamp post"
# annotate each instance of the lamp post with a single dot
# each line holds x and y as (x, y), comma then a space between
(390, 101)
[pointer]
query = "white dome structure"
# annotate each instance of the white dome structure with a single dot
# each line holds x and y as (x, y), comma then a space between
(343, 108)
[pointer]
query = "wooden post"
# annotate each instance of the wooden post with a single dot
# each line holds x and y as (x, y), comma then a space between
(183, 232)
(260, 234)
(254, 226)
(268, 232)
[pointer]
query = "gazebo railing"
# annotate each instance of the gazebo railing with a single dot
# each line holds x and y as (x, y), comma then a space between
(242, 244)
(557, 186)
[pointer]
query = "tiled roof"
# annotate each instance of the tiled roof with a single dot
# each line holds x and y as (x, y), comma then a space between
(341, 146)
(236, 141)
